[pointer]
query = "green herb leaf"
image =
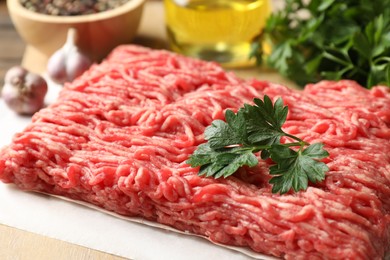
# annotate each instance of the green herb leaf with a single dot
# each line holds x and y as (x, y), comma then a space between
(264, 121)
(258, 128)
(221, 134)
(294, 169)
(221, 162)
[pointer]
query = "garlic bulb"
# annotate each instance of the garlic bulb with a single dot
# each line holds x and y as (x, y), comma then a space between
(24, 91)
(69, 62)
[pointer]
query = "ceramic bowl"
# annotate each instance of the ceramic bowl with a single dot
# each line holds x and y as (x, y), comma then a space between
(97, 34)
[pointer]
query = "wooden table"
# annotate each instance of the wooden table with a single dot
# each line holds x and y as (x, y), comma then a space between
(18, 244)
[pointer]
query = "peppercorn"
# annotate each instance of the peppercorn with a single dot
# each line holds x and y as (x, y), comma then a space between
(71, 7)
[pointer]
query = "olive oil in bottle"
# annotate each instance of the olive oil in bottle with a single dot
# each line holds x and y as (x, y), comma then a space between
(216, 30)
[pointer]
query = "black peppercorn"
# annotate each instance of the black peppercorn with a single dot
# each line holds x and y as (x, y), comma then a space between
(71, 7)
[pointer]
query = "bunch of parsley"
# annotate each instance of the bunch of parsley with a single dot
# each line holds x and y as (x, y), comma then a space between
(329, 39)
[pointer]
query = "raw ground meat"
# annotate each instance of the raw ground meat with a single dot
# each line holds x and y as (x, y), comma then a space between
(118, 137)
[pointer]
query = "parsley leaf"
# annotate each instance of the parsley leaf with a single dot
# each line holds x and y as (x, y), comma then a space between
(258, 128)
(294, 169)
(264, 121)
(221, 134)
(221, 162)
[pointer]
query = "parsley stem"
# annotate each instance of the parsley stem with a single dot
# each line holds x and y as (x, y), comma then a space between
(258, 148)
(301, 144)
(300, 141)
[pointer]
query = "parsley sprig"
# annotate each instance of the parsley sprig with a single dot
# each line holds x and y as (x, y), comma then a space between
(258, 129)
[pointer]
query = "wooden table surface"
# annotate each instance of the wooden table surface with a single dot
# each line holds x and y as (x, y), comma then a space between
(18, 244)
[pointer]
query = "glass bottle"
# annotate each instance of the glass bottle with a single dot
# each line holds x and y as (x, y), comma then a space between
(216, 30)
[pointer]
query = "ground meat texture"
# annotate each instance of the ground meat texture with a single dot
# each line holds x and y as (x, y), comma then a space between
(118, 137)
